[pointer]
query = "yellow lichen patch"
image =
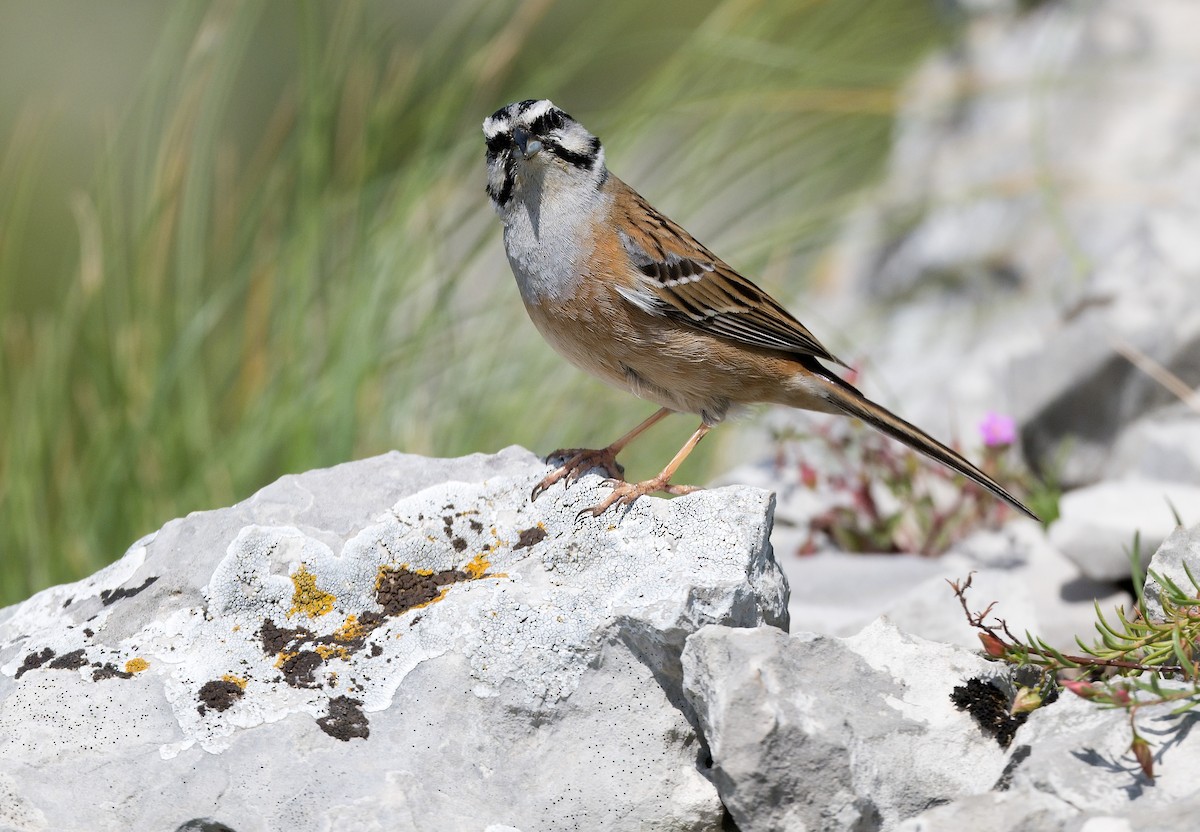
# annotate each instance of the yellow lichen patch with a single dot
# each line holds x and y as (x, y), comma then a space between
(136, 665)
(351, 630)
(478, 566)
(283, 658)
(328, 651)
(307, 597)
(234, 680)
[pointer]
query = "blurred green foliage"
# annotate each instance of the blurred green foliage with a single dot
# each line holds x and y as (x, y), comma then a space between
(240, 239)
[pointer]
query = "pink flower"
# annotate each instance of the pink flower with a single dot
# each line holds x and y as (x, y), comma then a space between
(993, 646)
(1081, 688)
(998, 430)
(808, 475)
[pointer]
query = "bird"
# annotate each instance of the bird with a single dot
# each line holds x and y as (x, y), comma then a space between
(625, 293)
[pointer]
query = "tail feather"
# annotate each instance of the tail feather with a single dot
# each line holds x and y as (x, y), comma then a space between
(847, 399)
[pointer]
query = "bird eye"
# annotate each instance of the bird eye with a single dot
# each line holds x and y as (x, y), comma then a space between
(498, 143)
(546, 122)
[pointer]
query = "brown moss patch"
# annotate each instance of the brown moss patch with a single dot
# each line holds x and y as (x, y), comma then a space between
(219, 694)
(345, 720)
(69, 661)
(108, 670)
(989, 706)
(33, 661)
(111, 596)
(530, 537)
(275, 639)
(299, 669)
(400, 589)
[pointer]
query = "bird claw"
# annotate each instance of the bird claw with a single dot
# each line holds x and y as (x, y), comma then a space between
(576, 462)
(624, 493)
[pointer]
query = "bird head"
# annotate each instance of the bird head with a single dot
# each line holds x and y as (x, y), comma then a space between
(533, 145)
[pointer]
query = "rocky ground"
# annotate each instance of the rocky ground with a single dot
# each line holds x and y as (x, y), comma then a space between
(396, 643)
(402, 643)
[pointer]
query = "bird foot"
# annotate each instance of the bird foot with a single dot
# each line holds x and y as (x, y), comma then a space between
(577, 461)
(624, 493)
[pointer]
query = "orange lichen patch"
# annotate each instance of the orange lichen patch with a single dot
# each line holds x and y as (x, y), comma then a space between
(352, 629)
(234, 680)
(307, 597)
(283, 657)
(478, 566)
(326, 651)
(136, 665)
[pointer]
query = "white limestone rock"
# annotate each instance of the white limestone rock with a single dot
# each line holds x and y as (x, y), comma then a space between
(397, 643)
(1077, 392)
(1034, 586)
(1036, 811)
(1164, 445)
(1079, 753)
(1177, 560)
(1071, 770)
(1033, 225)
(838, 593)
(810, 732)
(998, 811)
(1097, 524)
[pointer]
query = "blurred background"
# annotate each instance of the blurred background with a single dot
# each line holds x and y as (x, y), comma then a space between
(243, 239)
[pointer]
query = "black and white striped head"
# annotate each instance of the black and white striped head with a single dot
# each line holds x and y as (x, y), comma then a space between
(531, 142)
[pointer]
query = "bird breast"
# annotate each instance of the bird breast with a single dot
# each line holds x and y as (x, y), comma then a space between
(548, 236)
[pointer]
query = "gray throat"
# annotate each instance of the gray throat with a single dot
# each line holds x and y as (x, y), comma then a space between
(548, 233)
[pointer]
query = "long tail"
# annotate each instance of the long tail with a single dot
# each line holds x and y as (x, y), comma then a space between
(844, 397)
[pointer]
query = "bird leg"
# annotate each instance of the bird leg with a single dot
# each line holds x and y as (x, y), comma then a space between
(578, 460)
(625, 492)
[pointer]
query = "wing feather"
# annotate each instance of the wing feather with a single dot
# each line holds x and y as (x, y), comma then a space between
(681, 279)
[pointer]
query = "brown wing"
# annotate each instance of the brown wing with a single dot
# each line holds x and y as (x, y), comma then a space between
(683, 280)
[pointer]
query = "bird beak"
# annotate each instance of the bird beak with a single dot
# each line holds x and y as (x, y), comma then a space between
(526, 143)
